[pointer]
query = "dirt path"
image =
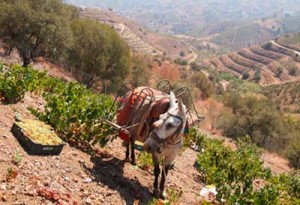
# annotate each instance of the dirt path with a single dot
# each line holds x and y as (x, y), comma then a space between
(295, 52)
(193, 59)
(75, 176)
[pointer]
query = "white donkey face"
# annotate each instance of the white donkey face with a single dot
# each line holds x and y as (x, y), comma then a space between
(168, 123)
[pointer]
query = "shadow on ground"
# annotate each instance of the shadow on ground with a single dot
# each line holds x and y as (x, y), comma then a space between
(109, 171)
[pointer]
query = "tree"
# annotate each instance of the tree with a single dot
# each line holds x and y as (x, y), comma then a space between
(245, 75)
(140, 73)
(182, 53)
(195, 66)
(35, 28)
(293, 70)
(99, 53)
(251, 115)
(200, 80)
(213, 110)
(257, 76)
(180, 61)
(279, 71)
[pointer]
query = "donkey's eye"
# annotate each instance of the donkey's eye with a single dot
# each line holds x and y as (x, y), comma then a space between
(169, 125)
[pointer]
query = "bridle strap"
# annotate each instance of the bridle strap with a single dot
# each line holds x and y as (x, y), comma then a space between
(162, 142)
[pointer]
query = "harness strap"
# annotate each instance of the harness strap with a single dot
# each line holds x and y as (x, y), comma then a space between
(168, 140)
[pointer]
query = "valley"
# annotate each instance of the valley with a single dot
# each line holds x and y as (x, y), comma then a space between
(233, 24)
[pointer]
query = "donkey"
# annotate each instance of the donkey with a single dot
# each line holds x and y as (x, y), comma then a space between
(163, 140)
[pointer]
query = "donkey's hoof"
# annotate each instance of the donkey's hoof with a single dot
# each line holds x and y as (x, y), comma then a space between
(126, 159)
(133, 163)
(162, 196)
(156, 193)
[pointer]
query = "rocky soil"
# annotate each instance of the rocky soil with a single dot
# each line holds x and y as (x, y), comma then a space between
(74, 177)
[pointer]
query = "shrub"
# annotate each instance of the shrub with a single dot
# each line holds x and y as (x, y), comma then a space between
(257, 76)
(145, 161)
(245, 75)
(201, 82)
(293, 153)
(76, 113)
(180, 61)
(195, 66)
(279, 71)
(15, 81)
(182, 53)
(73, 110)
(251, 115)
(234, 173)
(293, 70)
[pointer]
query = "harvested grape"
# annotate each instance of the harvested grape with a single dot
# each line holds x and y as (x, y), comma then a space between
(39, 132)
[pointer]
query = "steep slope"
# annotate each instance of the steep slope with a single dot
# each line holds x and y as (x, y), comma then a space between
(228, 24)
(137, 37)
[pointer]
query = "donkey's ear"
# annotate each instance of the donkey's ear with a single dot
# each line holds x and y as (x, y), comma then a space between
(181, 107)
(172, 100)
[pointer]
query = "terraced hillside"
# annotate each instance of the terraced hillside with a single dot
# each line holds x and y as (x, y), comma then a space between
(133, 40)
(271, 63)
(287, 95)
(290, 41)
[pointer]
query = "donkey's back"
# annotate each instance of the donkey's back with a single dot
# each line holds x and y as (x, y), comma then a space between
(138, 109)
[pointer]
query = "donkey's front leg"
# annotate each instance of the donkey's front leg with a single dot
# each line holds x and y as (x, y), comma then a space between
(165, 171)
(132, 151)
(156, 175)
(127, 152)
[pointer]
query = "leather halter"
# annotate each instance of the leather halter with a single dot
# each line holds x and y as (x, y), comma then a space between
(168, 140)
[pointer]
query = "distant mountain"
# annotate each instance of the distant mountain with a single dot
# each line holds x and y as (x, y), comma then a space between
(188, 16)
(234, 37)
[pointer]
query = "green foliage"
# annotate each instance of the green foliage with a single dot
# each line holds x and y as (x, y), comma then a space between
(257, 76)
(12, 87)
(35, 28)
(251, 115)
(15, 81)
(288, 185)
(245, 75)
(201, 82)
(145, 161)
(180, 61)
(53, 30)
(244, 87)
(287, 95)
(17, 158)
(279, 70)
(99, 53)
(293, 151)
(263, 119)
(140, 73)
(73, 110)
(234, 174)
(267, 45)
(194, 137)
